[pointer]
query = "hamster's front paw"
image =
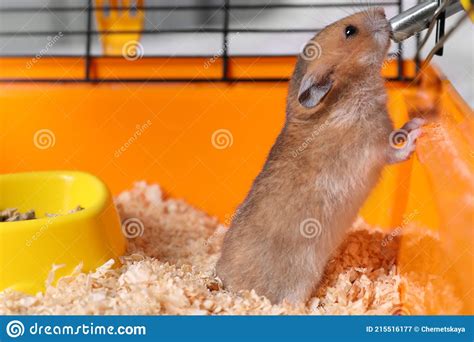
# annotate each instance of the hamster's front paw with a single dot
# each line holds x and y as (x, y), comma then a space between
(403, 141)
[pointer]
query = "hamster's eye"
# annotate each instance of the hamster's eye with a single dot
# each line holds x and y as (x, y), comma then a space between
(350, 31)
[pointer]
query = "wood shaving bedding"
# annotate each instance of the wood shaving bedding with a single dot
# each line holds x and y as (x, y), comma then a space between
(169, 270)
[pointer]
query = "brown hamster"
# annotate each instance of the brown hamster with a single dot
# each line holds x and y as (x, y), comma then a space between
(323, 165)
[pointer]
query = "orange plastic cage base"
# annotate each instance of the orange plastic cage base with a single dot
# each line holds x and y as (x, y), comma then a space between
(162, 133)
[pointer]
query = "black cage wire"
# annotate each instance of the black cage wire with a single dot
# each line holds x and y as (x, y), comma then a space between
(225, 10)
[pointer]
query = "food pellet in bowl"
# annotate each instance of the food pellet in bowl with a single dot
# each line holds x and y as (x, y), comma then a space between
(12, 214)
(75, 210)
(72, 211)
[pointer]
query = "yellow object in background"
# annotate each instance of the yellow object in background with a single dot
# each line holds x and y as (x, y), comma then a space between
(28, 249)
(124, 20)
(467, 4)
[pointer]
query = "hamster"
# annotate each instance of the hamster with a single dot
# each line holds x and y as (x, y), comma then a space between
(322, 167)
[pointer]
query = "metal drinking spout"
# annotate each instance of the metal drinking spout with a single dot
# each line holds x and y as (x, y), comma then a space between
(418, 18)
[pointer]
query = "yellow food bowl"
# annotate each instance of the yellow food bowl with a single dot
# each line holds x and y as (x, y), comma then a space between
(30, 248)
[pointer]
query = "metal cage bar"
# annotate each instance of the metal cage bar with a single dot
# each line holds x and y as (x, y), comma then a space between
(226, 7)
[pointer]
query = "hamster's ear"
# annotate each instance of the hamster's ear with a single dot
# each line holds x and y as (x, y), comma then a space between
(313, 88)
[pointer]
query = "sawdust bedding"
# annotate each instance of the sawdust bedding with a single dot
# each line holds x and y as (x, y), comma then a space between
(169, 270)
